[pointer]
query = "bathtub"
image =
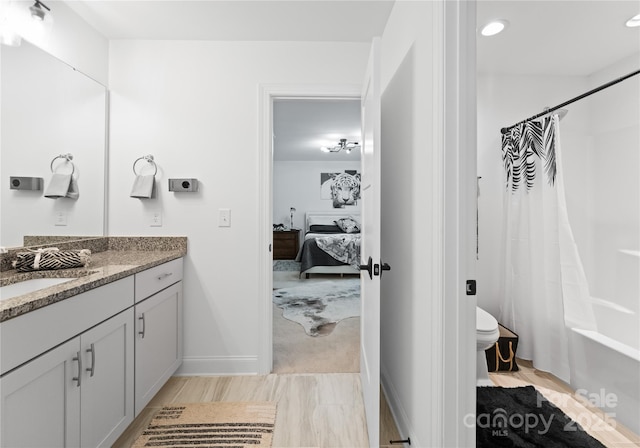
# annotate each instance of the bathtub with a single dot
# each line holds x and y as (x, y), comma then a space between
(605, 364)
(607, 373)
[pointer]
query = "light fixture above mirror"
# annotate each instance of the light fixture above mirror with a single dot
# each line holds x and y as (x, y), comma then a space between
(37, 11)
(343, 144)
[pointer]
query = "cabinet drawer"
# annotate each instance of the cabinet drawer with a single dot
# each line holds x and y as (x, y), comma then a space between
(157, 278)
(31, 334)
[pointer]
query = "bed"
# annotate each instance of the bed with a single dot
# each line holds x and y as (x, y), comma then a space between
(321, 231)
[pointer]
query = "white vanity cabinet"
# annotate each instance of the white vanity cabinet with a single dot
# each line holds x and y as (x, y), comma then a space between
(41, 402)
(75, 373)
(77, 394)
(106, 401)
(158, 345)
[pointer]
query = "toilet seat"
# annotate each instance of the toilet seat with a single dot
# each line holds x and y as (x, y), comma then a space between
(485, 322)
(487, 333)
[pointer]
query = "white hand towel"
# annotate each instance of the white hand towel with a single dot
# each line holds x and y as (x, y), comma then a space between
(143, 186)
(58, 186)
(73, 191)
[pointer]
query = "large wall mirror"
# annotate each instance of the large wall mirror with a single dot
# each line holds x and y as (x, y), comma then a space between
(47, 109)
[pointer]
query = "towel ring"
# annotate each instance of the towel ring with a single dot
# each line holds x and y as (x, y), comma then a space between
(68, 157)
(149, 159)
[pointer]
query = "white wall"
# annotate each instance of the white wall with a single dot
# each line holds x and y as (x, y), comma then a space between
(297, 184)
(194, 106)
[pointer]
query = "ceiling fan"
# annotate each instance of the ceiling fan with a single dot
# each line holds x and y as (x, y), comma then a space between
(342, 144)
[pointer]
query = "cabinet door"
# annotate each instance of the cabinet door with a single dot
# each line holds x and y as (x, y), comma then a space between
(41, 400)
(107, 382)
(158, 342)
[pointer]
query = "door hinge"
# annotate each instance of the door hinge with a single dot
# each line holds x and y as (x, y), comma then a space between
(471, 287)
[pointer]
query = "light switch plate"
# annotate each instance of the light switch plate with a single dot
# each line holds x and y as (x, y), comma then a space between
(224, 217)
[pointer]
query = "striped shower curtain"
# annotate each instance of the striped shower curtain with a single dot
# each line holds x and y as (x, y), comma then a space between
(544, 289)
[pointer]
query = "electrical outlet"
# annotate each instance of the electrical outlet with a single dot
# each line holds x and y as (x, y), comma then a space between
(156, 219)
(60, 218)
(224, 217)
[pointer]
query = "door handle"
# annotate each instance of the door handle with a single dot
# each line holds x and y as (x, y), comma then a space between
(78, 378)
(92, 369)
(384, 267)
(144, 325)
(368, 267)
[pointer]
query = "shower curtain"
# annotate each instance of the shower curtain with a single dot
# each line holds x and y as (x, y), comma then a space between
(544, 289)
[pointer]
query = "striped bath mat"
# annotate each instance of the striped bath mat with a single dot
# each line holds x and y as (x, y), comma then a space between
(215, 425)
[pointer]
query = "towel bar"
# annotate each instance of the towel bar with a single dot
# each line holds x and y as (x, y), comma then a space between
(149, 159)
(68, 157)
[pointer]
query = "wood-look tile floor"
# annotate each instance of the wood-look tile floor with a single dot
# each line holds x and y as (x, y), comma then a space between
(314, 410)
(588, 416)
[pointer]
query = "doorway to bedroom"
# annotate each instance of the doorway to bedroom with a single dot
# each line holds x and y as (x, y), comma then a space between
(316, 213)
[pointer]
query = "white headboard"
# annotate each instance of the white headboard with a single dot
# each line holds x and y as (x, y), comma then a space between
(328, 217)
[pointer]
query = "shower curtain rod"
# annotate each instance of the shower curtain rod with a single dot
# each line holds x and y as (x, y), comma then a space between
(572, 100)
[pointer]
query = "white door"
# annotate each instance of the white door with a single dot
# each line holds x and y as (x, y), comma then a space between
(370, 280)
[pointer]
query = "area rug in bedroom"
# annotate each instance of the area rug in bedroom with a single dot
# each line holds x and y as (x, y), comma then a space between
(286, 265)
(215, 424)
(523, 417)
(319, 306)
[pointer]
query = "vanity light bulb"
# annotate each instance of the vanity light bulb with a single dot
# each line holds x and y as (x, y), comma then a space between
(494, 27)
(634, 21)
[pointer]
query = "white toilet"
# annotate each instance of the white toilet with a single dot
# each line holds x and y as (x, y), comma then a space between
(487, 333)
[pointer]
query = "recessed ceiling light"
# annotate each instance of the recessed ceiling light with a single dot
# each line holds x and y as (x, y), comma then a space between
(634, 21)
(494, 27)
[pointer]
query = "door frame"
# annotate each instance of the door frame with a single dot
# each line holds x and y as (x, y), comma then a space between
(267, 94)
(459, 142)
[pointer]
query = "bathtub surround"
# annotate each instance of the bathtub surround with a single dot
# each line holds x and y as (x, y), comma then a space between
(604, 367)
(545, 288)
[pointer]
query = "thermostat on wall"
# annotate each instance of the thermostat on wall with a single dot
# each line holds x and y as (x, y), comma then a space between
(183, 184)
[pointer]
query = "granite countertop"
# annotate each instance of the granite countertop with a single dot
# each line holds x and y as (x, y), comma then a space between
(120, 257)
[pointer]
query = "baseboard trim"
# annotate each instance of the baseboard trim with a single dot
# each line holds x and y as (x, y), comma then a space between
(395, 406)
(218, 365)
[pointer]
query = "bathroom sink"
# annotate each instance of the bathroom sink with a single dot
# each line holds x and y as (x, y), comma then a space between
(28, 286)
